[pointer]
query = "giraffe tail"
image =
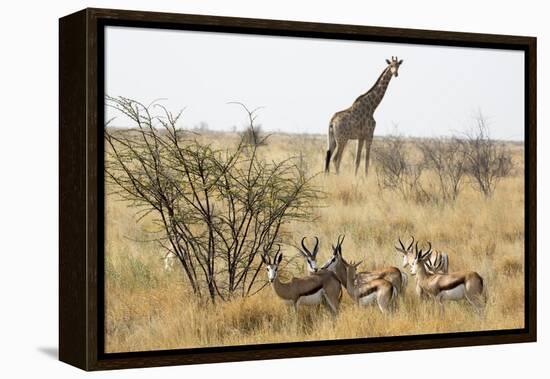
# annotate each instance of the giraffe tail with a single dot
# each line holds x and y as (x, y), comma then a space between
(331, 144)
(327, 161)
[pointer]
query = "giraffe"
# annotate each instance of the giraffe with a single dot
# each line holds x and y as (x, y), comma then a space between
(357, 122)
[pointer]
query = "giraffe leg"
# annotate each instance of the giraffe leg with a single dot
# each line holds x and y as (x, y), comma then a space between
(358, 153)
(330, 149)
(340, 145)
(370, 134)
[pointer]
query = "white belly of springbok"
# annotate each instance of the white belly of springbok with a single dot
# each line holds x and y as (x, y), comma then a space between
(456, 293)
(312, 299)
(367, 300)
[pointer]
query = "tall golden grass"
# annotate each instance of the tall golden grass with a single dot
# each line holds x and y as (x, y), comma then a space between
(150, 309)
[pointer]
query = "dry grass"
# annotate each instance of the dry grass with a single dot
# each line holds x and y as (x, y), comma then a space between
(147, 308)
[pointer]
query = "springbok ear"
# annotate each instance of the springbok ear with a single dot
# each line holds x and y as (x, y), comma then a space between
(388, 61)
(401, 61)
(279, 258)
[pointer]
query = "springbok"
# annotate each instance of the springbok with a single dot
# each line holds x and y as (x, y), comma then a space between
(379, 290)
(309, 290)
(439, 262)
(453, 286)
(310, 256)
(391, 274)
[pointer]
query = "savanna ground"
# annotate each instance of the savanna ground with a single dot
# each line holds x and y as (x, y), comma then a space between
(148, 308)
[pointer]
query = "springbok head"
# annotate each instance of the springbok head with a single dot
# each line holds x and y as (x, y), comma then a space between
(336, 253)
(351, 268)
(272, 266)
(310, 255)
(420, 257)
(394, 65)
(408, 254)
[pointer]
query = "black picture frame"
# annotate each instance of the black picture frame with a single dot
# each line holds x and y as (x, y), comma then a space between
(81, 120)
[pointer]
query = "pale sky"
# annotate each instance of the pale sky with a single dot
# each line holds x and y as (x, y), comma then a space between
(302, 82)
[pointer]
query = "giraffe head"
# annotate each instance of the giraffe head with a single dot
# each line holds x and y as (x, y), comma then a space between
(394, 65)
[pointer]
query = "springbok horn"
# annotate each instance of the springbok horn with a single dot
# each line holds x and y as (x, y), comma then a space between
(402, 248)
(410, 245)
(428, 251)
(278, 250)
(316, 248)
(343, 238)
(306, 251)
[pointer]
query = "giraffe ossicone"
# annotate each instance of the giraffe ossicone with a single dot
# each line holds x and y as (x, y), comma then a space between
(357, 122)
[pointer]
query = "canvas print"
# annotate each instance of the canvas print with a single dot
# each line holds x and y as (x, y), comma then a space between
(269, 189)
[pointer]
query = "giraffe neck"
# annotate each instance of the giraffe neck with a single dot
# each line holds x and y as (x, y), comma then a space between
(375, 95)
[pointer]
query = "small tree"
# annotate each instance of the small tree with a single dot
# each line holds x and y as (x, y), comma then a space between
(395, 169)
(252, 134)
(487, 161)
(447, 158)
(216, 210)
